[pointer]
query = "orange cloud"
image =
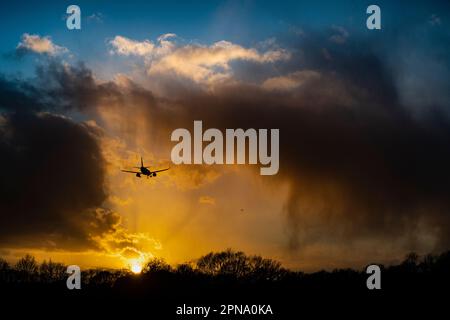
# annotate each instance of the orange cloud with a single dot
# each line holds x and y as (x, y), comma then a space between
(199, 63)
(38, 44)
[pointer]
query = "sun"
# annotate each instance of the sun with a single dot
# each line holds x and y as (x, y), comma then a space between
(137, 263)
(135, 267)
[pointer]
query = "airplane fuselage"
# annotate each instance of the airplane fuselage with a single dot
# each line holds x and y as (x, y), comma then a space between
(145, 172)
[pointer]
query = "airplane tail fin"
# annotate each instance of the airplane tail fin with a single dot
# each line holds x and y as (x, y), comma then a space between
(142, 164)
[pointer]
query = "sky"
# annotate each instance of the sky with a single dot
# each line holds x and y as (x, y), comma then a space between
(363, 120)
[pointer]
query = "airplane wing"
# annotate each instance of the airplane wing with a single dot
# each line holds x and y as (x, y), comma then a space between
(130, 171)
(161, 170)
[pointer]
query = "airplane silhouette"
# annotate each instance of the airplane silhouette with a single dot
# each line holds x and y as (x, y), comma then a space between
(144, 171)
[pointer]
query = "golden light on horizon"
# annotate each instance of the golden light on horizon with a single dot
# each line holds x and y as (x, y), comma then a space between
(135, 267)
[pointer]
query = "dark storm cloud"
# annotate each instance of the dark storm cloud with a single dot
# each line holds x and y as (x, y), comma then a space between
(57, 87)
(361, 166)
(18, 95)
(72, 87)
(52, 186)
(51, 183)
(357, 170)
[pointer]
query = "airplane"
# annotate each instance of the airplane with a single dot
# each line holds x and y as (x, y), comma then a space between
(144, 171)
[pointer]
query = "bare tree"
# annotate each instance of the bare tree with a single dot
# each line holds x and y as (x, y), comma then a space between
(27, 264)
(156, 265)
(239, 265)
(52, 271)
(4, 265)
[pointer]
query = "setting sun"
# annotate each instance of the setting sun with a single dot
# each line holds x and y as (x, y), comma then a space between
(135, 267)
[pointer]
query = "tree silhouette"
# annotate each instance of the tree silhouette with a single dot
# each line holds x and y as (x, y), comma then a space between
(52, 271)
(185, 269)
(4, 265)
(27, 264)
(156, 265)
(237, 264)
(223, 274)
(224, 263)
(27, 269)
(411, 259)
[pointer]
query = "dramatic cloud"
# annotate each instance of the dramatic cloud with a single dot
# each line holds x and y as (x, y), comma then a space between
(52, 183)
(37, 44)
(52, 188)
(126, 47)
(361, 167)
(199, 63)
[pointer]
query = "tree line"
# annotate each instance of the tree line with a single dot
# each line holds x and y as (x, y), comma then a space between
(226, 267)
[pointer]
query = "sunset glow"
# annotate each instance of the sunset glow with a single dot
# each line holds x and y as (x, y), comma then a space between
(135, 267)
